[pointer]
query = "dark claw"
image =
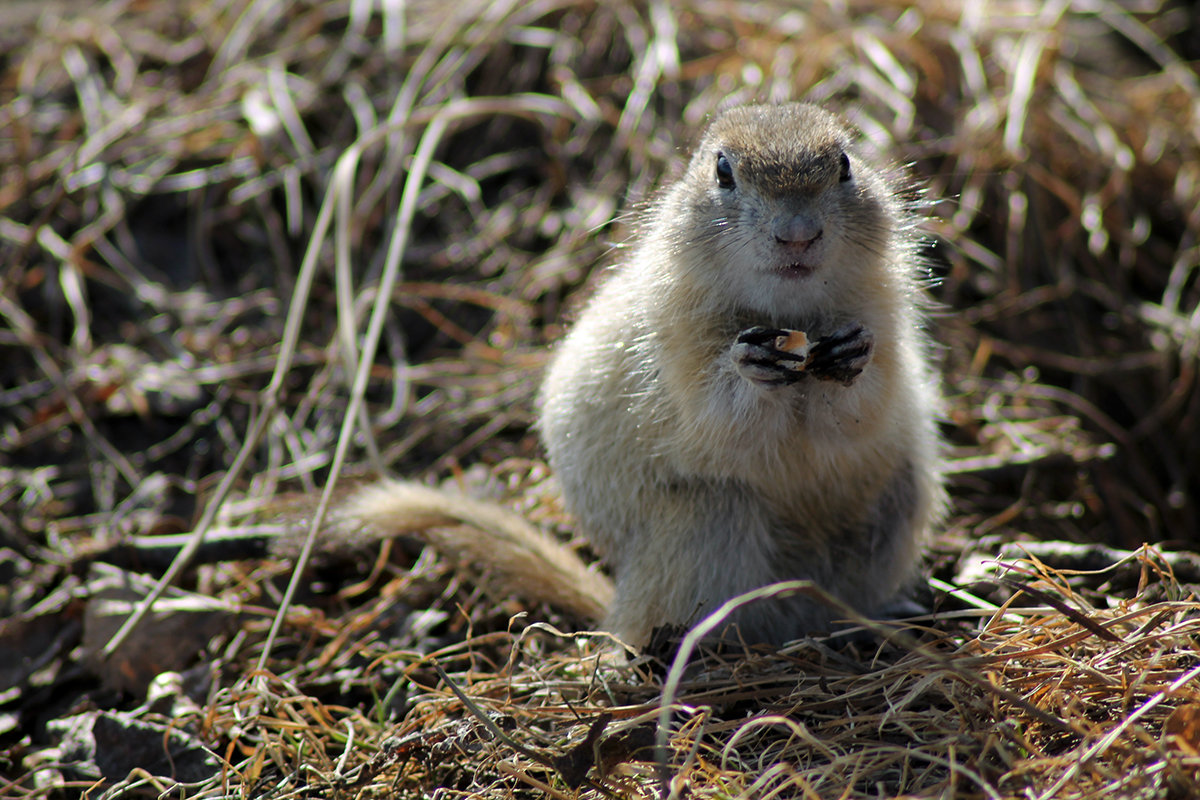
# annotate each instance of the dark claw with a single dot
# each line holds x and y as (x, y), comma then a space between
(760, 336)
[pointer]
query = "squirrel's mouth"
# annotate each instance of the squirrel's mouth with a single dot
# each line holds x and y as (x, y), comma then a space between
(796, 270)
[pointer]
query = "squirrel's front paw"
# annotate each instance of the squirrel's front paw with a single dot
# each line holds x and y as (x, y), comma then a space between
(771, 356)
(842, 355)
(778, 357)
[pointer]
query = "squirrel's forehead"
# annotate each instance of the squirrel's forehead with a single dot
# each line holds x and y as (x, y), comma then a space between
(783, 130)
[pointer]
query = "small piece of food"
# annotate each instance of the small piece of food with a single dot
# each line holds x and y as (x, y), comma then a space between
(794, 343)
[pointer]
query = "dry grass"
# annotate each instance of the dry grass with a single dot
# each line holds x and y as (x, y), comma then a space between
(232, 231)
(995, 703)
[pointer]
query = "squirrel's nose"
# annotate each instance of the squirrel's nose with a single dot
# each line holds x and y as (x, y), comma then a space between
(801, 228)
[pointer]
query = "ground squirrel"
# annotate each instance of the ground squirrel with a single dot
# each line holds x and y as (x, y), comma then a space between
(703, 444)
(747, 399)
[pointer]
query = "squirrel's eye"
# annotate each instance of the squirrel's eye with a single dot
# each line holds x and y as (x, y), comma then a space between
(724, 172)
(845, 174)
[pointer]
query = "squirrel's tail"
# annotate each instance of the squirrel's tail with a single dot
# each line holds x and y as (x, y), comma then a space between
(528, 561)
